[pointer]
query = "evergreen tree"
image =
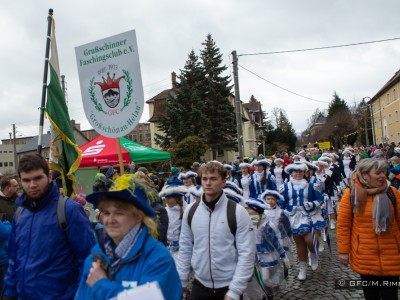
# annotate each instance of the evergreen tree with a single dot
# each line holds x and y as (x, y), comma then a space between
(337, 105)
(188, 150)
(184, 112)
(220, 112)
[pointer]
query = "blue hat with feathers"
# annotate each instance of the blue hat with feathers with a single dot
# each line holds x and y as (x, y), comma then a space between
(125, 188)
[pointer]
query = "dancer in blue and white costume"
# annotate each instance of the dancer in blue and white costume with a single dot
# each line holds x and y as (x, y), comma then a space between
(270, 257)
(278, 171)
(302, 201)
(261, 179)
(279, 221)
(229, 177)
(173, 196)
(244, 179)
(188, 178)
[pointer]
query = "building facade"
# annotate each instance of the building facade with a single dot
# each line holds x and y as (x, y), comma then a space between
(385, 107)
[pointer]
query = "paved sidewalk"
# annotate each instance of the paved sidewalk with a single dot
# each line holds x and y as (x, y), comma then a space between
(320, 284)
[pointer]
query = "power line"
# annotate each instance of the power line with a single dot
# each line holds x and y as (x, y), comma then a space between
(320, 48)
(282, 87)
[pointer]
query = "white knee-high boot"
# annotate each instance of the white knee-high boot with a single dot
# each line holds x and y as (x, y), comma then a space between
(303, 271)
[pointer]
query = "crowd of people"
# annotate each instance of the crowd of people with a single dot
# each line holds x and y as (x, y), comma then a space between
(215, 231)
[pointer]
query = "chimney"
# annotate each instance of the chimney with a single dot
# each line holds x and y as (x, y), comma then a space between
(75, 125)
(173, 78)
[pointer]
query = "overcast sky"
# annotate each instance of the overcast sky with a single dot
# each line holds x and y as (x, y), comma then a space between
(168, 30)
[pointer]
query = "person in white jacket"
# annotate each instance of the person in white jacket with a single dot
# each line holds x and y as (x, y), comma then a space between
(222, 260)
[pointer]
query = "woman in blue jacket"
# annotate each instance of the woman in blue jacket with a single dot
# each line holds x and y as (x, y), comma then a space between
(128, 256)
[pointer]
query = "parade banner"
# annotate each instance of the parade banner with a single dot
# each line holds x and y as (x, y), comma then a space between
(111, 84)
(65, 155)
(324, 145)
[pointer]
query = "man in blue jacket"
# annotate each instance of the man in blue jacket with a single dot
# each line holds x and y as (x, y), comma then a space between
(45, 262)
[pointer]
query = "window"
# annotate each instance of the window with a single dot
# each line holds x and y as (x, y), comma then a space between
(6, 164)
(148, 137)
(1, 164)
(391, 137)
(220, 152)
(396, 116)
(390, 118)
(140, 137)
(10, 151)
(394, 95)
(387, 99)
(1, 151)
(10, 164)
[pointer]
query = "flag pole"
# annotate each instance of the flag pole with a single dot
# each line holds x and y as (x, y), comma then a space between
(44, 88)
(121, 163)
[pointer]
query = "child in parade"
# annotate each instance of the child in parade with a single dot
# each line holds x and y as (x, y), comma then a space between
(310, 173)
(279, 221)
(330, 189)
(302, 203)
(347, 163)
(278, 171)
(174, 198)
(270, 256)
(245, 178)
(229, 177)
(189, 182)
(261, 179)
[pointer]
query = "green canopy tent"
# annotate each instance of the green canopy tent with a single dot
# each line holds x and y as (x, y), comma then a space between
(102, 151)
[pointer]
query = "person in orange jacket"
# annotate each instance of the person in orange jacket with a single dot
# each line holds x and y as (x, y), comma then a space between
(368, 231)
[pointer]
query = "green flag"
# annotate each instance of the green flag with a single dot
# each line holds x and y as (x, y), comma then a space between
(65, 155)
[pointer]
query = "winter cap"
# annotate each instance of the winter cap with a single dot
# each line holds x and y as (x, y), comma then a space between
(321, 163)
(231, 195)
(278, 159)
(256, 204)
(296, 167)
(228, 167)
(173, 191)
(326, 159)
(297, 156)
(195, 165)
(126, 188)
(263, 162)
(271, 193)
(232, 186)
(196, 191)
(310, 165)
(347, 150)
(175, 171)
(187, 174)
(245, 165)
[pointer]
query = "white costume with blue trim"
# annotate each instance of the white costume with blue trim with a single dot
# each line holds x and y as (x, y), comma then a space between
(296, 193)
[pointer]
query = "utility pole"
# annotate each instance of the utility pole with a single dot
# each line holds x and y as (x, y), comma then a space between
(237, 103)
(365, 126)
(15, 149)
